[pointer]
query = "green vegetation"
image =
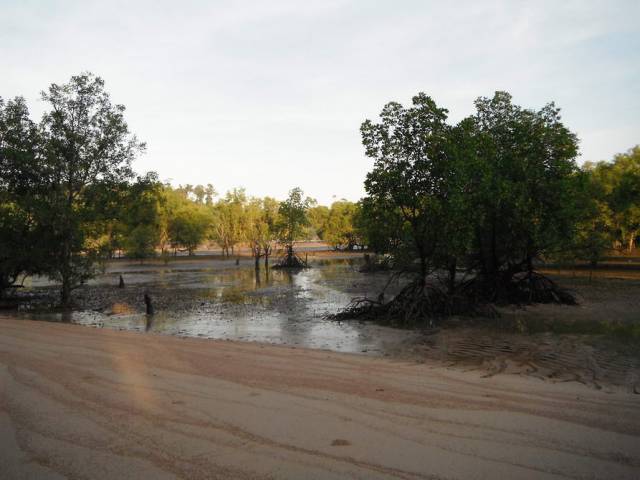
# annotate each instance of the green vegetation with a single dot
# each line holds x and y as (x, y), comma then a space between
(50, 169)
(261, 220)
(339, 229)
(616, 196)
(477, 204)
(622, 331)
(69, 198)
(292, 224)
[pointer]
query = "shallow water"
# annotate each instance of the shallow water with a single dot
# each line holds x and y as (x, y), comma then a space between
(220, 300)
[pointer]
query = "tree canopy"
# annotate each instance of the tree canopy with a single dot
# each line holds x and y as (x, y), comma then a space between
(81, 141)
(484, 198)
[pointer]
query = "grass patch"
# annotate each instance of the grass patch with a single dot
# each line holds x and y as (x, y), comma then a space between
(624, 331)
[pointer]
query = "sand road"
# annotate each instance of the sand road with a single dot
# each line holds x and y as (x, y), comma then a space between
(79, 402)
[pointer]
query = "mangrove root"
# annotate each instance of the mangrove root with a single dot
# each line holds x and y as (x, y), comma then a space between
(291, 261)
(521, 289)
(426, 303)
(376, 264)
(416, 304)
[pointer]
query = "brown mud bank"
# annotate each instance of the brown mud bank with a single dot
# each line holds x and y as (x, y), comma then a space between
(597, 361)
(596, 343)
(97, 403)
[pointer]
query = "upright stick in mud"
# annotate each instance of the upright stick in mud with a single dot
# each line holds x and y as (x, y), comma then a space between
(148, 303)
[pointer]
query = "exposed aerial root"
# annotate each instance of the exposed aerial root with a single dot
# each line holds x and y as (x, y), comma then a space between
(522, 288)
(291, 261)
(534, 287)
(379, 263)
(416, 304)
(421, 303)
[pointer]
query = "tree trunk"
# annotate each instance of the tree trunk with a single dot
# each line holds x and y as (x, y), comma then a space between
(423, 270)
(65, 296)
(632, 241)
(452, 275)
(65, 269)
(4, 285)
(149, 304)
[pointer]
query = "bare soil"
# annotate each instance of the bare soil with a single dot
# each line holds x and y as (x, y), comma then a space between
(96, 403)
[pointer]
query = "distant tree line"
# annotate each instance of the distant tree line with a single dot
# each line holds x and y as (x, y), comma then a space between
(614, 191)
(149, 218)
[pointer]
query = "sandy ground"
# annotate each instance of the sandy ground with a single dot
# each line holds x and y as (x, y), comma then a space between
(78, 402)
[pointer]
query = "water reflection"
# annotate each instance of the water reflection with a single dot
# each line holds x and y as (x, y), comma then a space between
(275, 306)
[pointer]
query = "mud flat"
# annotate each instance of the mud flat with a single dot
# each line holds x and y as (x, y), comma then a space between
(79, 402)
(596, 343)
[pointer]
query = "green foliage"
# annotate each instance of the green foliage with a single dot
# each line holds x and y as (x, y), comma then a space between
(293, 217)
(188, 222)
(188, 228)
(261, 216)
(228, 220)
(526, 187)
(200, 194)
(142, 217)
(593, 234)
(619, 195)
(413, 190)
(82, 141)
(381, 229)
(318, 216)
(339, 229)
(86, 141)
(20, 239)
(489, 195)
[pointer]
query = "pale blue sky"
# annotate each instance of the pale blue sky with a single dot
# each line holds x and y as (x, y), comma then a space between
(270, 94)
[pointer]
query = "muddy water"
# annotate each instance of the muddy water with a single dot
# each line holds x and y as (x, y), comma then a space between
(217, 299)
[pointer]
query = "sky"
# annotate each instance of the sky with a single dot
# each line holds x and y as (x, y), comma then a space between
(269, 95)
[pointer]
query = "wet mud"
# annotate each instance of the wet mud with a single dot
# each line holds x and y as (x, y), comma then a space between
(219, 299)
